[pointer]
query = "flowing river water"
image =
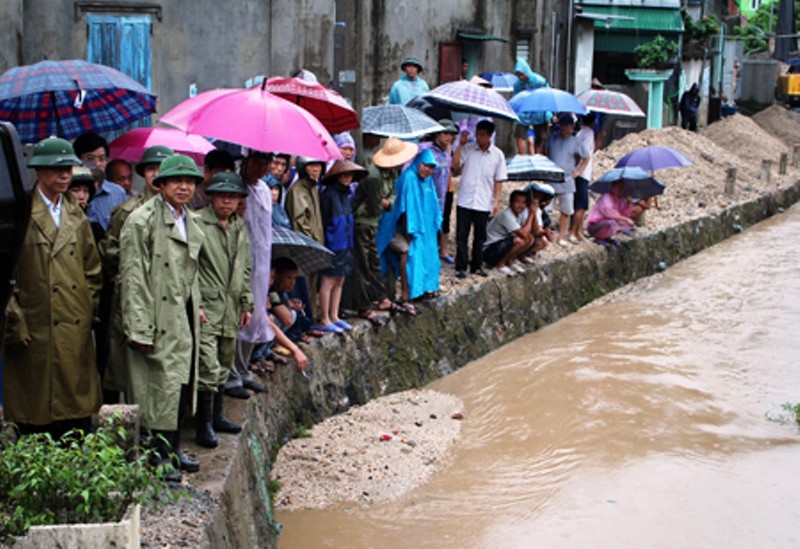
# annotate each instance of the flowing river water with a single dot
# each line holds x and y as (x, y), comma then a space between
(653, 418)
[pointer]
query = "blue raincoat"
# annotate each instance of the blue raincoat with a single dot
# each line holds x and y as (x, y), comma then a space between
(416, 198)
(404, 90)
(535, 81)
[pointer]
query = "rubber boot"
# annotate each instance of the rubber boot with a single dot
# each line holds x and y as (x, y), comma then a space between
(161, 443)
(221, 423)
(205, 436)
(181, 460)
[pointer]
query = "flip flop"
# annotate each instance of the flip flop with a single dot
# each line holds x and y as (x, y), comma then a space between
(344, 325)
(373, 318)
(315, 333)
(407, 308)
(329, 329)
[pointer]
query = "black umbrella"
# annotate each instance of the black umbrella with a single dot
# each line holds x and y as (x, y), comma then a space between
(309, 255)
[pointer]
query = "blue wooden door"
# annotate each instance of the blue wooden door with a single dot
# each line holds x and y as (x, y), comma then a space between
(122, 42)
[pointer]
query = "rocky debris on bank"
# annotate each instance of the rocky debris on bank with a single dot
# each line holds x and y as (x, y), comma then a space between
(371, 453)
(181, 524)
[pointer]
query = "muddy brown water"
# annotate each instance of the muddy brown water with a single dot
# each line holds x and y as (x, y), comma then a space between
(651, 419)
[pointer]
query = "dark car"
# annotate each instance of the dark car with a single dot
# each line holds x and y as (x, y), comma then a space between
(15, 211)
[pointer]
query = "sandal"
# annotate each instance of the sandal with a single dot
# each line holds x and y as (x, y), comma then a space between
(281, 350)
(407, 308)
(315, 333)
(392, 307)
(259, 367)
(373, 317)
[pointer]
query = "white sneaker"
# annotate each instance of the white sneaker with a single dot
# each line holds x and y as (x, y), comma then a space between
(506, 271)
(562, 243)
(529, 260)
(572, 238)
(518, 268)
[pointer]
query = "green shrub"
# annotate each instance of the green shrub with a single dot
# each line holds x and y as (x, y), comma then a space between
(656, 53)
(79, 479)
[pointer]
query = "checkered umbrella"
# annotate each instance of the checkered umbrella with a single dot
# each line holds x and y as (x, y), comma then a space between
(68, 98)
(470, 98)
(398, 121)
(610, 102)
(327, 105)
(537, 167)
(309, 255)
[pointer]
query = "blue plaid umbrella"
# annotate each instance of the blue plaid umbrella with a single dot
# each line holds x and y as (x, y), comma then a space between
(68, 98)
(398, 121)
(309, 255)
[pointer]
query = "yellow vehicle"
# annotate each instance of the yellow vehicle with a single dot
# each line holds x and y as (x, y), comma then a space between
(789, 84)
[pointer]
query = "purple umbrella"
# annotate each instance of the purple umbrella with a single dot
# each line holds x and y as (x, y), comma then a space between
(68, 98)
(654, 158)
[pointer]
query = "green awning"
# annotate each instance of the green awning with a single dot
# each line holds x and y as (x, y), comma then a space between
(620, 42)
(654, 20)
(482, 37)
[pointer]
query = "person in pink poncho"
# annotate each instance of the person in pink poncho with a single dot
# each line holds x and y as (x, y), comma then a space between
(613, 213)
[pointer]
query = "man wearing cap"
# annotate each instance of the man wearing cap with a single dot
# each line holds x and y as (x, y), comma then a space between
(441, 147)
(159, 250)
(92, 150)
(410, 85)
(227, 300)
(114, 372)
(215, 161)
(572, 156)
(483, 170)
(50, 382)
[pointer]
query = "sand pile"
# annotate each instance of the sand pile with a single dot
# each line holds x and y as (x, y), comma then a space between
(780, 122)
(370, 453)
(743, 137)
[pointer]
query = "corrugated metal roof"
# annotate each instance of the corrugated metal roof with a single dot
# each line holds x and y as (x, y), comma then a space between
(642, 19)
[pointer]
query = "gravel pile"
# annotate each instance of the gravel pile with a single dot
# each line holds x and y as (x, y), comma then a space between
(780, 122)
(370, 453)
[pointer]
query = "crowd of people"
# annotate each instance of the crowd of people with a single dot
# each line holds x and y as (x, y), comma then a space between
(172, 296)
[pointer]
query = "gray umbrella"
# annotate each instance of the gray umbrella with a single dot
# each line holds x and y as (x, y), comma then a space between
(537, 167)
(398, 121)
(309, 255)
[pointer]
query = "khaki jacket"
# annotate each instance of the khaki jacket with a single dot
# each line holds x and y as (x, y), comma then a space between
(302, 206)
(160, 307)
(58, 282)
(224, 273)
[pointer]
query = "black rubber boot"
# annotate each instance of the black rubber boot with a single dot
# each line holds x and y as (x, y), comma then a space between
(161, 443)
(221, 423)
(181, 460)
(206, 436)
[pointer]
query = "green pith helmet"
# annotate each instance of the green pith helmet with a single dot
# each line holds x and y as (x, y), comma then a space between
(226, 182)
(412, 60)
(153, 155)
(177, 165)
(53, 152)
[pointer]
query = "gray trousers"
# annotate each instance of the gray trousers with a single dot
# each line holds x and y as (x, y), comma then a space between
(240, 371)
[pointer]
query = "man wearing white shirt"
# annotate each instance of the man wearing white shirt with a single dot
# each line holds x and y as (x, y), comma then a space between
(483, 172)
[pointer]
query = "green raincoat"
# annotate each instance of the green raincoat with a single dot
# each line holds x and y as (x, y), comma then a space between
(115, 378)
(58, 279)
(160, 303)
(225, 290)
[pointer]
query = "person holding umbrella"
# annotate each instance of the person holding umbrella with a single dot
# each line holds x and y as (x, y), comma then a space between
(572, 156)
(613, 213)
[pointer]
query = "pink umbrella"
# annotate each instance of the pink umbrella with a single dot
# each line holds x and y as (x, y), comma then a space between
(254, 118)
(131, 145)
(610, 102)
(327, 106)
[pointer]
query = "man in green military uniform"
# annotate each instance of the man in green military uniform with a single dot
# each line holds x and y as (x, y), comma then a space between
(115, 376)
(50, 382)
(159, 250)
(227, 300)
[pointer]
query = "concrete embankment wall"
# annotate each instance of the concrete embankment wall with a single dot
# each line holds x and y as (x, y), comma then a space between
(447, 334)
